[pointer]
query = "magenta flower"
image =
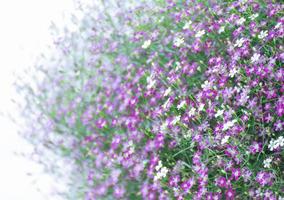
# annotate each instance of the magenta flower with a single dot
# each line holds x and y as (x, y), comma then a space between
(186, 185)
(221, 182)
(236, 173)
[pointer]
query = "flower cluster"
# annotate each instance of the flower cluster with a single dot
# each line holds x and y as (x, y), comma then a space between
(176, 100)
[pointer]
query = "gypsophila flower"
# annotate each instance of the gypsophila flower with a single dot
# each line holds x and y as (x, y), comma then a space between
(240, 21)
(255, 58)
(192, 112)
(274, 144)
(187, 25)
(167, 92)
(229, 124)
(184, 98)
(200, 33)
(221, 29)
(278, 25)
(151, 81)
(181, 104)
(262, 34)
(233, 72)
(176, 120)
(219, 113)
(178, 41)
(161, 171)
(280, 141)
(225, 139)
(239, 42)
(267, 162)
(253, 16)
(146, 44)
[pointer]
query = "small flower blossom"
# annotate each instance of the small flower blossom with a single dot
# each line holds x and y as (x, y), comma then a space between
(167, 92)
(181, 104)
(233, 72)
(219, 113)
(225, 140)
(240, 21)
(229, 124)
(186, 185)
(255, 58)
(221, 29)
(151, 82)
(146, 44)
(239, 42)
(267, 162)
(255, 148)
(264, 178)
(161, 171)
(192, 112)
(280, 141)
(278, 25)
(274, 144)
(253, 16)
(187, 25)
(262, 34)
(178, 41)
(200, 33)
(176, 120)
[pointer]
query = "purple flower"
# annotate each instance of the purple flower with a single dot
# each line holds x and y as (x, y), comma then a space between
(264, 178)
(230, 194)
(221, 182)
(186, 185)
(256, 147)
(236, 173)
(174, 180)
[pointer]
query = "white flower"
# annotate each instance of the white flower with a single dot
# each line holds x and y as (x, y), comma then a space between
(219, 113)
(222, 29)
(166, 104)
(188, 134)
(200, 33)
(255, 58)
(278, 25)
(253, 16)
(178, 41)
(159, 166)
(151, 82)
(176, 120)
(167, 92)
(233, 72)
(280, 141)
(239, 42)
(240, 21)
(187, 25)
(164, 171)
(164, 126)
(146, 44)
(225, 139)
(272, 145)
(281, 198)
(201, 107)
(178, 66)
(229, 124)
(206, 85)
(181, 105)
(267, 163)
(161, 19)
(262, 34)
(161, 171)
(192, 112)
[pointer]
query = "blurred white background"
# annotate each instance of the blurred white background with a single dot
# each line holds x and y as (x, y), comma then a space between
(24, 34)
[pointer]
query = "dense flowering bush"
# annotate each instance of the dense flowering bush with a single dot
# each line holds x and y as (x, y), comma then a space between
(169, 100)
